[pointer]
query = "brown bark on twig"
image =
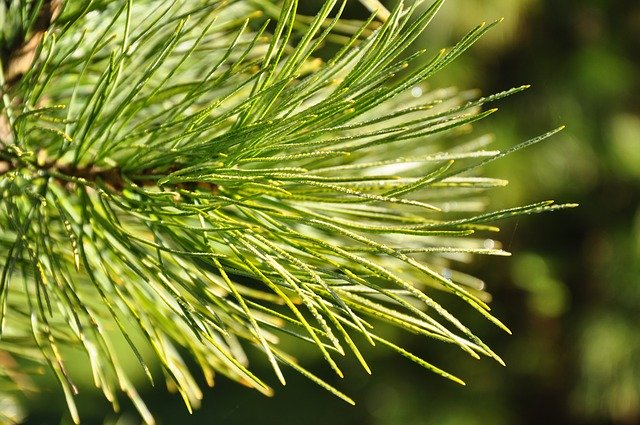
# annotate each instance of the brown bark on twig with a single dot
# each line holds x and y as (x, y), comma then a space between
(113, 178)
(21, 58)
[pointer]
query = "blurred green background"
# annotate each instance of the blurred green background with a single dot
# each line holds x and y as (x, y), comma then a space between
(571, 293)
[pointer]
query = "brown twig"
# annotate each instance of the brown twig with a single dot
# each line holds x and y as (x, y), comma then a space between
(21, 58)
(112, 177)
(18, 60)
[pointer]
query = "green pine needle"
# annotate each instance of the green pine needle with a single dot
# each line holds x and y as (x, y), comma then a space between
(202, 183)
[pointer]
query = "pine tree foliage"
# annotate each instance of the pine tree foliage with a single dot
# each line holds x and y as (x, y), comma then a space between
(192, 175)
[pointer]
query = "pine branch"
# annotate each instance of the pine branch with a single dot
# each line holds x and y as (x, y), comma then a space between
(203, 182)
(90, 175)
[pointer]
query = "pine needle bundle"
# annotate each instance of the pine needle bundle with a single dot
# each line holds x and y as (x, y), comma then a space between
(192, 176)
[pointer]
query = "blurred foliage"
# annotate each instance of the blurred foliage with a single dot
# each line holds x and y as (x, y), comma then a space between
(571, 294)
(575, 353)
